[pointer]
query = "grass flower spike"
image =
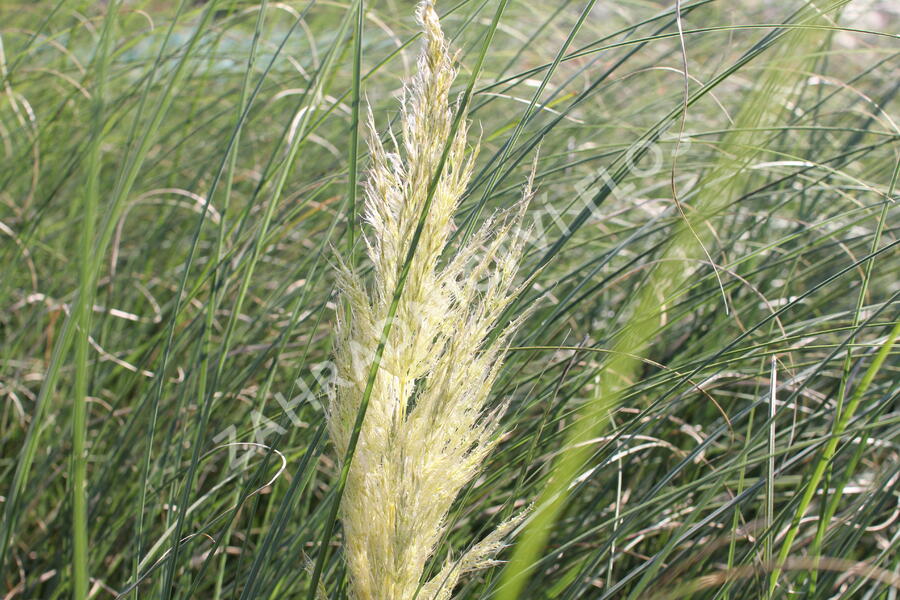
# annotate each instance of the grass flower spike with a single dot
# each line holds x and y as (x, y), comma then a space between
(428, 427)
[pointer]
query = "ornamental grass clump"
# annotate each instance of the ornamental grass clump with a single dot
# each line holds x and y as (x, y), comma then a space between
(428, 425)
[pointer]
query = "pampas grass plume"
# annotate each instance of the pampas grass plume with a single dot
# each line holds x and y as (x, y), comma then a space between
(428, 427)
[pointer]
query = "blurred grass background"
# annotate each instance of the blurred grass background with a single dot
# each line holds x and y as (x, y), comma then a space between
(174, 180)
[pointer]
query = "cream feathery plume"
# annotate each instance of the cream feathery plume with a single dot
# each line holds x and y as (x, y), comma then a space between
(428, 426)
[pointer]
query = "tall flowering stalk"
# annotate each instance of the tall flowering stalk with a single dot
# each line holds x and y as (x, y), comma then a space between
(428, 426)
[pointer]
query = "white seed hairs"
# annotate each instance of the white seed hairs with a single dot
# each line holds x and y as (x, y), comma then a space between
(428, 427)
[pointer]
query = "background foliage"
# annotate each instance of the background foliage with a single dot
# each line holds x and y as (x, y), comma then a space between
(174, 181)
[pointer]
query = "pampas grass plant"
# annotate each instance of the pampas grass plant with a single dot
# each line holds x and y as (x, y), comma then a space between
(428, 426)
(703, 404)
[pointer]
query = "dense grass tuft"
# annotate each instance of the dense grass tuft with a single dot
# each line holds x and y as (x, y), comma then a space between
(703, 400)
